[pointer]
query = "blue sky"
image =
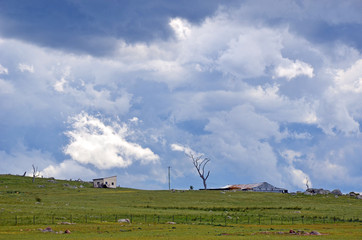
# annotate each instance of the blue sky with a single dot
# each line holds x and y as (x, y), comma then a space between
(268, 90)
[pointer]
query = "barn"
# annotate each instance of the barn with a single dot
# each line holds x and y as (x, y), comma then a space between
(254, 187)
(108, 182)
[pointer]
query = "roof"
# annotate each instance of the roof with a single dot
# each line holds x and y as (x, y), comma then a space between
(250, 186)
(103, 178)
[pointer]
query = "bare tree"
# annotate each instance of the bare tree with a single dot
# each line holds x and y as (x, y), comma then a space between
(307, 183)
(200, 163)
(35, 172)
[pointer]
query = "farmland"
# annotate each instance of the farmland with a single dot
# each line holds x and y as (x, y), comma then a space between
(90, 213)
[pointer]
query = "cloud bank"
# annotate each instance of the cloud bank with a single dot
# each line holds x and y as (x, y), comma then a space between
(269, 90)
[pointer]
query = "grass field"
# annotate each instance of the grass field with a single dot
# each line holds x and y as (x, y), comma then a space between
(26, 207)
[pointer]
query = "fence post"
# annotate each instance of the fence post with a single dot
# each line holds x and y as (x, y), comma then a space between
(292, 221)
(71, 218)
(271, 220)
(225, 220)
(259, 219)
(34, 219)
(53, 218)
(131, 220)
(303, 219)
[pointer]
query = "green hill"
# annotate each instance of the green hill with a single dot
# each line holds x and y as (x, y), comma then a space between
(26, 208)
(76, 200)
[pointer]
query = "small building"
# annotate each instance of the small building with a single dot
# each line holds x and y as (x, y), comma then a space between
(108, 182)
(254, 187)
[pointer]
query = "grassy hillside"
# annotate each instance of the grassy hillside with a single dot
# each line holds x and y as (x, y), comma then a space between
(25, 207)
(19, 196)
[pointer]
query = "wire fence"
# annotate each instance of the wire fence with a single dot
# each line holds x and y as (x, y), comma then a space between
(179, 219)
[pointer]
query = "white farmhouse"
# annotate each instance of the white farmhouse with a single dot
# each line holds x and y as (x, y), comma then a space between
(108, 182)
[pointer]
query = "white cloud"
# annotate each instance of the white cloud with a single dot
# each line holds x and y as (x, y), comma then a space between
(59, 85)
(134, 120)
(104, 146)
(290, 155)
(298, 178)
(249, 53)
(339, 108)
(181, 148)
(68, 169)
(294, 176)
(350, 80)
(242, 122)
(26, 68)
(3, 70)
(290, 69)
(181, 27)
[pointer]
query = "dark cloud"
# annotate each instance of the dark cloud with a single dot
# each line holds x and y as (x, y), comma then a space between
(92, 26)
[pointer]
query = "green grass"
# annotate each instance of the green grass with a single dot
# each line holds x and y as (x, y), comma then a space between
(212, 214)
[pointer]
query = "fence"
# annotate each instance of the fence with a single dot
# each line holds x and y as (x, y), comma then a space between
(180, 219)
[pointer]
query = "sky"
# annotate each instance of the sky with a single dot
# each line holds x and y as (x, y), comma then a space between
(267, 90)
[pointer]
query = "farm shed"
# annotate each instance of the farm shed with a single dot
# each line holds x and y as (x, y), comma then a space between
(108, 182)
(254, 187)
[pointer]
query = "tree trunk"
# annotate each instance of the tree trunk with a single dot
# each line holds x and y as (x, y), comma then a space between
(204, 180)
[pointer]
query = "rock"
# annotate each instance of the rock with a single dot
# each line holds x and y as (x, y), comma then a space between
(315, 233)
(48, 229)
(337, 192)
(66, 223)
(352, 194)
(291, 231)
(124, 220)
(324, 192)
(359, 197)
(314, 191)
(67, 231)
(170, 223)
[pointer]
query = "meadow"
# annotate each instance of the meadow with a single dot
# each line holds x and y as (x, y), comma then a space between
(89, 213)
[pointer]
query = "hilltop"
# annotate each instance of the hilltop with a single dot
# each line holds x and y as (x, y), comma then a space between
(49, 202)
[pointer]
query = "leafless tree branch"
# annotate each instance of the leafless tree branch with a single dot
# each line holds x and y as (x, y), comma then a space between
(200, 162)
